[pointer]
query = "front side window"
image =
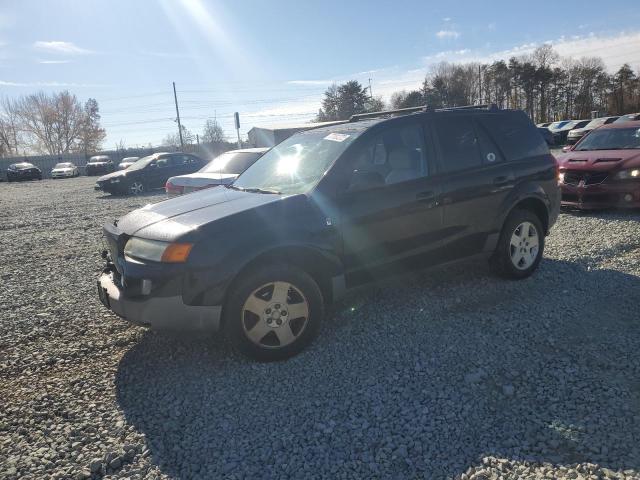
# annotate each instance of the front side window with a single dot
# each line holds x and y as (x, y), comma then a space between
(297, 164)
(393, 156)
(458, 143)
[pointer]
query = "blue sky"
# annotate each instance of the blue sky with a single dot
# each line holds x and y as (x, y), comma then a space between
(271, 60)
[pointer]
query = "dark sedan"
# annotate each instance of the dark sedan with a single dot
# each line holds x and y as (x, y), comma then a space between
(149, 173)
(99, 165)
(23, 171)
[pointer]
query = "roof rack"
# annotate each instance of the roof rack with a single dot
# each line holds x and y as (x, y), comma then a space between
(423, 108)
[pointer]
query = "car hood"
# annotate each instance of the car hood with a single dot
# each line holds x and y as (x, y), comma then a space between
(109, 176)
(170, 219)
(201, 178)
(600, 160)
(65, 169)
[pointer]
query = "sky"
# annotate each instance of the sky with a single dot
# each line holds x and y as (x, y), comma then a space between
(272, 60)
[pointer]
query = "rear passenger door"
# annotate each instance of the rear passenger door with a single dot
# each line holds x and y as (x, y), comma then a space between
(475, 180)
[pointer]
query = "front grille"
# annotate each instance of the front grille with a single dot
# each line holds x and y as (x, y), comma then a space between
(574, 177)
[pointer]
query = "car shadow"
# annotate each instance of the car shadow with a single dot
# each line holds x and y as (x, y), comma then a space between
(418, 376)
(111, 196)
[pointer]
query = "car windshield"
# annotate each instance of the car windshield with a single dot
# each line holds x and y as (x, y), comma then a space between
(98, 159)
(611, 139)
(22, 166)
(557, 125)
(140, 164)
(231, 162)
(63, 165)
(297, 164)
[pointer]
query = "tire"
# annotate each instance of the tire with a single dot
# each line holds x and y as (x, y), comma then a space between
(136, 187)
(273, 332)
(520, 246)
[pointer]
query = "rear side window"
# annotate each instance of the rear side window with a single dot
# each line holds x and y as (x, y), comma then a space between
(458, 143)
(515, 134)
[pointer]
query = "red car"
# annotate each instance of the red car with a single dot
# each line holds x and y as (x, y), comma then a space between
(603, 169)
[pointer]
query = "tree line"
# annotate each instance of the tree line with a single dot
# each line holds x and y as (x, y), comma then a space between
(545, 85)
(53, 124)
(212, 133)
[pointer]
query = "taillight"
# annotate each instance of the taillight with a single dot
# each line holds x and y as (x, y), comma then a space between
(172, 189)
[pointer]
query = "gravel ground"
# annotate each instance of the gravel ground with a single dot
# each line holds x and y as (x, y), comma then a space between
(447, 374)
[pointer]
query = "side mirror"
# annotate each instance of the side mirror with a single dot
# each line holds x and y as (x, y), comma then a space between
(566, 148)
(364, 181)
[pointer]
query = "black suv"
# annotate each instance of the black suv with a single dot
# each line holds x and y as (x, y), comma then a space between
(328, 209)
(149, 173)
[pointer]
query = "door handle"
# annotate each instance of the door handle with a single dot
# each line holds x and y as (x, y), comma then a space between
(502, 180)
(427, 197)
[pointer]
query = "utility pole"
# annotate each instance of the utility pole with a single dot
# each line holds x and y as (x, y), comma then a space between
(479, 86)
(175, 97)
(370, 91)
(236, 118)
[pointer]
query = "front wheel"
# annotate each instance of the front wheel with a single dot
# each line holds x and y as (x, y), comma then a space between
(273, 313)
(136, 188)
(520, 246)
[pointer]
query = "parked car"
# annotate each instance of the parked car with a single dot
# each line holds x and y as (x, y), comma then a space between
(149, 173)
(631, 117)
(65, 170)
(603, 169)
(23, 171)
(577, 133)
(560, 130)
(126, 162)
(544, 125)
(326, 210)
(222, 170)
(99, 164)
(546, 134)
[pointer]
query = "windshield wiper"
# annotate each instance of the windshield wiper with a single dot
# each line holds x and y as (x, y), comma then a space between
(261, 190)
(253, 190)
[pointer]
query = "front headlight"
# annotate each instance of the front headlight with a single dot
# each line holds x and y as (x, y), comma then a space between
(157, 251)
(115, 180)
(628, 174)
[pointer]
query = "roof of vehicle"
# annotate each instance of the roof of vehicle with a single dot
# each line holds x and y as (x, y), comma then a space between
(629, 124)
(249, 150)
(22, 164)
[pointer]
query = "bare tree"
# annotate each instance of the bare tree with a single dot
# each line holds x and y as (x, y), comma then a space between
(92, 134)
(58, 123)
(9, 128)
(212, 132)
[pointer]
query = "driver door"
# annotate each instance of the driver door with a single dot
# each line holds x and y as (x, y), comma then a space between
(390, 213)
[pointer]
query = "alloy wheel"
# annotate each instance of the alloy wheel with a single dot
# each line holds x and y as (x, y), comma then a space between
(275, 315)
(525, 244)
(136, 188)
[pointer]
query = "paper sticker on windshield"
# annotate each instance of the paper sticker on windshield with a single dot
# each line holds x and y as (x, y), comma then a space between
(337, 137)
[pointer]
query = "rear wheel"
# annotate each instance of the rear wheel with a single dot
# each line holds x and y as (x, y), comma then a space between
(273, 313)
(520, 246)
(136, 188)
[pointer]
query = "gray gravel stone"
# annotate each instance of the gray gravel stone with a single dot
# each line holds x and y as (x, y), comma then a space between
(416, 377)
